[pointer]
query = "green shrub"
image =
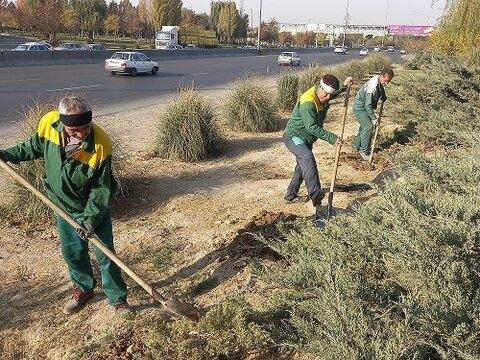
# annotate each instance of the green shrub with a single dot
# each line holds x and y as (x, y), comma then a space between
(228, 331)
(187, 129)
(310, 77)
(377, 62)
(251, 107)
(287, 91)
(396, 280)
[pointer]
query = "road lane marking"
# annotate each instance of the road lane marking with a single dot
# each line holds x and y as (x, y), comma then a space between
(73, 88)
(21, 80)
(204, 73)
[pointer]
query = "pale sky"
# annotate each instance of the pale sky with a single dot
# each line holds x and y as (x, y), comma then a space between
(406, 12)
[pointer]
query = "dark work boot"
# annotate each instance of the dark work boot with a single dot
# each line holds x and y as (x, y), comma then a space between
(79, 298)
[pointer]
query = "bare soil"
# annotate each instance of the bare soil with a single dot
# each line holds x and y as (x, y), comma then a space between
(187, 228)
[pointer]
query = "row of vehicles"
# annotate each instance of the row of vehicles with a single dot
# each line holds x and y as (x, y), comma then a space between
(43, 46)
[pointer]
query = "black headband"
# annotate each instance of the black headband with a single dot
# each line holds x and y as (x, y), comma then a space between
(76, 119)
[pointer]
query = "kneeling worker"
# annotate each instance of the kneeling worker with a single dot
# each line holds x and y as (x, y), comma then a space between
(365, 103)
(79, 180)
(304, 127)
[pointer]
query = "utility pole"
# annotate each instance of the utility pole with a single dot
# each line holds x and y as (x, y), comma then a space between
(259, 25)
(386, 19)
(347, 16)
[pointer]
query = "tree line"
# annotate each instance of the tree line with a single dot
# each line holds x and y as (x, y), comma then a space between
(93, 17)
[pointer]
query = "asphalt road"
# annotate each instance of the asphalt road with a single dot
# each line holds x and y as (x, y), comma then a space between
(22, 86)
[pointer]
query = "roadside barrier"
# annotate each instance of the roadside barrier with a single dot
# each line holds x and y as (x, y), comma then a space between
(68, 57)
(2, 61)
(28, 58)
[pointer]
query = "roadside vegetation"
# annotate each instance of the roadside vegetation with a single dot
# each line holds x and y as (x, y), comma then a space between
(251, 107)
(187, 129)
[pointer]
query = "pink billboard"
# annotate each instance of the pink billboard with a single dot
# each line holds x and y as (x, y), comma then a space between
(408, 29)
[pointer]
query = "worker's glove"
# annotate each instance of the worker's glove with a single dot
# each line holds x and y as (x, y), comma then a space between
(3, 156)
(85, 231)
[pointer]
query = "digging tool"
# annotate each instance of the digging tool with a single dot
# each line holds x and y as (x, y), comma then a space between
(380, 113)
(337, 155)
(171, 306)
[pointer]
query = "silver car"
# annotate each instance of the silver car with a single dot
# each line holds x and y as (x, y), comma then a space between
(130, 62)
(31, 46)
(289, 58)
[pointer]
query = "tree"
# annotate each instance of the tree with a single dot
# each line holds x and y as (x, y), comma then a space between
(7, 15)
(91, 14)
(305, 38)
(112, 25)
(227, 21)
(215, 9)
(204, 21)
(189, 18)
(47, 16)
(70, 21)
(242, 25)
(166, 12)
(285, 37)
(126, 13)
(269, 31)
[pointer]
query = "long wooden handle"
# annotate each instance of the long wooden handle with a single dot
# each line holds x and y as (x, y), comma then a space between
(94, 240)
(337, 153)
(377, 128)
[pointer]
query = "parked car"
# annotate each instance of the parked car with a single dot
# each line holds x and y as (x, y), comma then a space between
(376, 48)
(49, 47)
(340, 50)
(130, 62)
(31, 46)
(94, 47)
(403, 51)
(364, 52)
(69, 46)
(174, 47)
(191, 47)
(289, 58)
(391, 49)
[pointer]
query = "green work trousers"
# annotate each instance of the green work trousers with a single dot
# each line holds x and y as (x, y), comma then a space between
(364, 136)
(75, 253)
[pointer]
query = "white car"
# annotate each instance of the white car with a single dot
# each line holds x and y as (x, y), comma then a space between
(376, 48)
(340, 50)
(403, 51)
(31, 46)
(130, 62)
(364, 52)
(289, 58)
(391, 49)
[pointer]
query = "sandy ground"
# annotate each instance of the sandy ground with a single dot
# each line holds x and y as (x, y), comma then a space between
(177, 228)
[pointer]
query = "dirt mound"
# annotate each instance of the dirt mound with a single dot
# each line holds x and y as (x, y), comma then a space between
(127, 346)
(356, 162)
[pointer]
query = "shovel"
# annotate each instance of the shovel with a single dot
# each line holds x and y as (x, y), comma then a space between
(377, 128)
(171, 306)
(337, 155)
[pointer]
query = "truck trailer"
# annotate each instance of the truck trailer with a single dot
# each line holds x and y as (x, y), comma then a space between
(172, 36)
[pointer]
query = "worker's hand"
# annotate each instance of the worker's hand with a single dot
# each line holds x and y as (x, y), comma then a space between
(348, 81)
(375, 122)
(339, 142)
(85, 231)
(3, 156)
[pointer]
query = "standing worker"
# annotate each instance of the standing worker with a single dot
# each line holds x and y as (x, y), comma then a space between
(303, 128)
(365, 103)
(79, 179)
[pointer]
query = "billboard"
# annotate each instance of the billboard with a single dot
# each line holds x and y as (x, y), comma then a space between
(416, 30)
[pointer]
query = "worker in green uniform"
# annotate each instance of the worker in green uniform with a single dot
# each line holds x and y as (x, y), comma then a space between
(364, 105)
(79, 179)
(303, 128)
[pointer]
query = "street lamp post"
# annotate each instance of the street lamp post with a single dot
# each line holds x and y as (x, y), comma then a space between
(346, 22)
(386, 19)
(259, 24)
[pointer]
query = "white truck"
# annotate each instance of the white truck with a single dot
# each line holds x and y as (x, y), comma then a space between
(167, 38)
(172, 37)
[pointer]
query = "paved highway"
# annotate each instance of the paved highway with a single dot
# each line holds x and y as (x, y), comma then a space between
(21, 86)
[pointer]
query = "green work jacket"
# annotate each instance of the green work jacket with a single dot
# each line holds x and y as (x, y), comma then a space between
(83, 184)
(308, 116)
(368, 96)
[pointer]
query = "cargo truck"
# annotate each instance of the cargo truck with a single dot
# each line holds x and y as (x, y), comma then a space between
(170, 37)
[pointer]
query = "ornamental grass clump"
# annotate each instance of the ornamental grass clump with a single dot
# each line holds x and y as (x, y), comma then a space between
(251, 107)
(187, 129)
(20, 203)
(310, 77)
(287, 91)
(376, 62)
